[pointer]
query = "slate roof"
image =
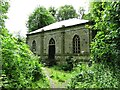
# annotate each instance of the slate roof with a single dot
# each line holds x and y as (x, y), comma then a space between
(56, 25)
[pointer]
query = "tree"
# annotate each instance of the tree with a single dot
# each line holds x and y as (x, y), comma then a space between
(106, 45)
(3, 10)
(81, 12)
(66, 12)
(52, 10)
(39, 18)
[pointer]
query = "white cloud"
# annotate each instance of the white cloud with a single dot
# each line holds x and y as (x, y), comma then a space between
(20, 10)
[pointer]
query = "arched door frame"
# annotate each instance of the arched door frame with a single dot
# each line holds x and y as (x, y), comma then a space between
(51, 51)
(34, 46)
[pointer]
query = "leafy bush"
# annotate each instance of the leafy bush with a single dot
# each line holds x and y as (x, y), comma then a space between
(105, 49)
(69, 65)
(97, 76)
(20, 66)
(105, 46)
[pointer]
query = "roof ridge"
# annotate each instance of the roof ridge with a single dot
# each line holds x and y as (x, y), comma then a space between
(60, 24)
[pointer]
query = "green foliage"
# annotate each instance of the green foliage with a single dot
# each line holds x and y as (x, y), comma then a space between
(105, 46)
(39, 18)
(60, 77)
(105, 49)
(3, 9)
(86, 16)
(69, 65)
(66, 12)
(97, 76)
(52, 10)
(81, 12)
(20, 68)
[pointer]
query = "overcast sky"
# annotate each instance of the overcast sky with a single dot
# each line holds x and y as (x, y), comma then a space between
(20, 10)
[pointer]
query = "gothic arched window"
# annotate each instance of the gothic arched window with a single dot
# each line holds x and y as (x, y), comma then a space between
(76, 44)
(52, 41)
(34, 46)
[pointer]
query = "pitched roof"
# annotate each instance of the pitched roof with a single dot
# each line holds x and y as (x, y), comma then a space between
(56, 25)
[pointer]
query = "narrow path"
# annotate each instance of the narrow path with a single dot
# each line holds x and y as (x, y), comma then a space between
(52, 83)
(48, 76)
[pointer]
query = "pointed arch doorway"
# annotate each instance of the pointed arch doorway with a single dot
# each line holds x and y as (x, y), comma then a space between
(51, 52)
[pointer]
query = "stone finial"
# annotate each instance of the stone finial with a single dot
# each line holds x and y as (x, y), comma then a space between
(63, 26)
(42, 30)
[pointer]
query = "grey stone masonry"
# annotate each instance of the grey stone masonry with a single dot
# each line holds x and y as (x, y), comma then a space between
(63, 46)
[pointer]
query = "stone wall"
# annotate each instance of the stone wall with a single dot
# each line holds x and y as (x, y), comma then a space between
(63, 42)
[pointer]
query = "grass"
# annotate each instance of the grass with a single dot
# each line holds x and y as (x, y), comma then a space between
(62, 78)
(99, 75)
(42, 83)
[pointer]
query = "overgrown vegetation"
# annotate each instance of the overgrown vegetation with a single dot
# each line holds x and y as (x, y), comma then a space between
(20, 68)
(105, 49)
(69, 64)
(106, 45)
(60, 77)
(96, 76)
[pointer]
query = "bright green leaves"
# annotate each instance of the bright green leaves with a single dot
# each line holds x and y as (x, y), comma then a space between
(39, 18)
(3, 9)
(105, 49)
(106, 17)
(3, 6)
(96, 76)
(20, 65)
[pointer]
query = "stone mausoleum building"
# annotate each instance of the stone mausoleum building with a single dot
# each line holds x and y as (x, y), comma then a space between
(60, 40)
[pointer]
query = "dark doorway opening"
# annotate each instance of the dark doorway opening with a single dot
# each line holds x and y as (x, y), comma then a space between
(51, 52)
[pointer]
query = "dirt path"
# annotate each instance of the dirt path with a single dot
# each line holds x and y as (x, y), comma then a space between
(52, 85)
(52, 82)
